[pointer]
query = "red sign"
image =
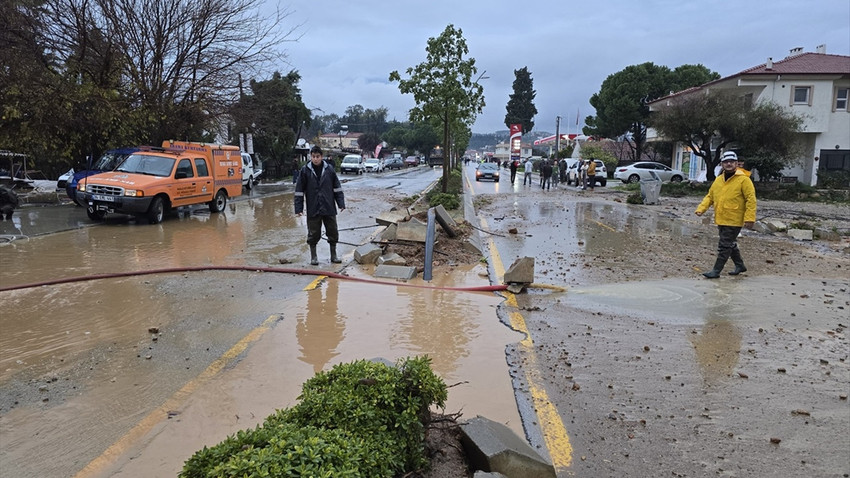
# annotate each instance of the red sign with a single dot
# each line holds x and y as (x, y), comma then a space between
(516, 140)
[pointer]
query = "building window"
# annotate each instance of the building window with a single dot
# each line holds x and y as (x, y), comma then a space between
(802, 95)
(841, 99)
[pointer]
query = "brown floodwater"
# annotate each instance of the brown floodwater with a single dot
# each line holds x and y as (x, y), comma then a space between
(77, 360)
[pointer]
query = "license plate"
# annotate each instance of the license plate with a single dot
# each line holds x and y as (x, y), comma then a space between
(101, 197)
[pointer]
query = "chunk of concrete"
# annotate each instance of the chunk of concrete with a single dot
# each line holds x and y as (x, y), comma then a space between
(521, 271)
(775, 225)
(388, 234)
(392, 260)
(413, 230)
(493, 447)
(762, 228)
(445, 220)
(367, 253)
(390, 217)
(395, 272)
(488, 474)
(801, 234)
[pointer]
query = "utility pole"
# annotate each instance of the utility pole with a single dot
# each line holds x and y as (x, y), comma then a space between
(557, 135)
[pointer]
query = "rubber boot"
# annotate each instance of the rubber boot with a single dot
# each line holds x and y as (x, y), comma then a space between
(718, 266)
(739, 263)
(334, 258)
(314, 259)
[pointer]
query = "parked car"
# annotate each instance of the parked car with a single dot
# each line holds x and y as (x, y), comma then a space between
(374, 165)
(641, 170)
(394, 163)
(108, 162)
(411, 161)
(572, 172)
(352, 163)
(487, 171)
(62, 182)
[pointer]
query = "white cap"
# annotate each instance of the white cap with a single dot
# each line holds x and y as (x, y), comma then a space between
(729, 156)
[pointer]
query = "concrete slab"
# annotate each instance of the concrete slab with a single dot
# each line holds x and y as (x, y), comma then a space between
(521, 271)
(395, 272)
(367, 253)
(388, 234)
(493, 447)
(413, 230)
(392, 260)
(445, 220)
(801, 234)
(391, 217)
(775, 225)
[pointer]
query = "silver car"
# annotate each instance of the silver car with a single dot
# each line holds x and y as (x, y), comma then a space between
(641, 170)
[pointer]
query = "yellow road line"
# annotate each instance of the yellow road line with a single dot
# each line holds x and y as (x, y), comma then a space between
(554, 432)
(175, 401)
(318, 280)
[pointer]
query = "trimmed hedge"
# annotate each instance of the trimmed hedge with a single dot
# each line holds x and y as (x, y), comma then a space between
(361, 419)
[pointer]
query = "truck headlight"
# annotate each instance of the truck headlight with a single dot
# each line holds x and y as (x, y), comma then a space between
(81, 187)
(134, 193)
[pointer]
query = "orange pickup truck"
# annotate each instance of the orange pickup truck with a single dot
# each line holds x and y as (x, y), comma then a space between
(153, 180)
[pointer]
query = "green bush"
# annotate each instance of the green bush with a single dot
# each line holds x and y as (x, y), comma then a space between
(448, 200)
(834, 179)
(361, 419)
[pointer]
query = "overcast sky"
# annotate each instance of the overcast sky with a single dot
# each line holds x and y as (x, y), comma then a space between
(347, 49)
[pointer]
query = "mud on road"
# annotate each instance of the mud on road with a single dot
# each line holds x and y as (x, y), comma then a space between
(657, 371)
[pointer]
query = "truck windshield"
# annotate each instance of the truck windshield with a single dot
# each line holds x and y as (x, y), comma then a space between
(108, 161)
(147, 164)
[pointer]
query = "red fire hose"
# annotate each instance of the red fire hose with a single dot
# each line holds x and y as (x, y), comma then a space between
(279, 270)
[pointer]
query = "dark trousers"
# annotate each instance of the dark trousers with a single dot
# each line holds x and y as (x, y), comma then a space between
(513, 175)
(547, 182)
(727, 245)
(314, 229)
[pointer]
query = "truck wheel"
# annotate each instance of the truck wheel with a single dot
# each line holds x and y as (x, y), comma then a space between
(94, 214)
(156, 211)
(219, 202)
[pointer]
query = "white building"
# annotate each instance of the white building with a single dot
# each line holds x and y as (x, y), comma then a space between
(814, 86)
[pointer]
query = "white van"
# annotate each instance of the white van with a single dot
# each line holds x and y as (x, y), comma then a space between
(250, 173)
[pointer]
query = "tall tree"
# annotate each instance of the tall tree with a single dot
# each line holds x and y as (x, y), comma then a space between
(520, 108)
(708, 122)
(272, 113)
(180, 60)
(621, 104)
(443, 87)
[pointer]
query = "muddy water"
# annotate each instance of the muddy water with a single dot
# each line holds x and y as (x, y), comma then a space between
(77, 359)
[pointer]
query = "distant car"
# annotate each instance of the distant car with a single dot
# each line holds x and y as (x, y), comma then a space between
(641, 170)
(352, 163)
(572, 172)
(108, 162)
(62, 182)
(374, 165)
(411, 161)
(487, 171)
(393, 163)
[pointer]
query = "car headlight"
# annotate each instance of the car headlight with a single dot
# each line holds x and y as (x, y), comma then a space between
(134, 193)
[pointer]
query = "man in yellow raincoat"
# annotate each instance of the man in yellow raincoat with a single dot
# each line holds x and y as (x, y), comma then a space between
(734, 199)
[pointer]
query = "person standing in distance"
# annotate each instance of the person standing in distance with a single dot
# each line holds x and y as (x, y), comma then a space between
(734, 199)
(319, 186)
(526, 176)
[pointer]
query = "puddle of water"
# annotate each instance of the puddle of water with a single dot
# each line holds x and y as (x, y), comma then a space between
(338, 322)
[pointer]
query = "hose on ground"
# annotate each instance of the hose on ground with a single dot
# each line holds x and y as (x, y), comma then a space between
(279, 270)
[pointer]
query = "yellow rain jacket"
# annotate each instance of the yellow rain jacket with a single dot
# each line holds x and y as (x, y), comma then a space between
(734, 200)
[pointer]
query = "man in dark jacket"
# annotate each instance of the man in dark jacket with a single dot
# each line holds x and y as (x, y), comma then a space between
(319, 185)
(546, 172)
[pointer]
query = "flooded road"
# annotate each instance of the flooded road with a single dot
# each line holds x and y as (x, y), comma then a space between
(655, 371)
(127, 362)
